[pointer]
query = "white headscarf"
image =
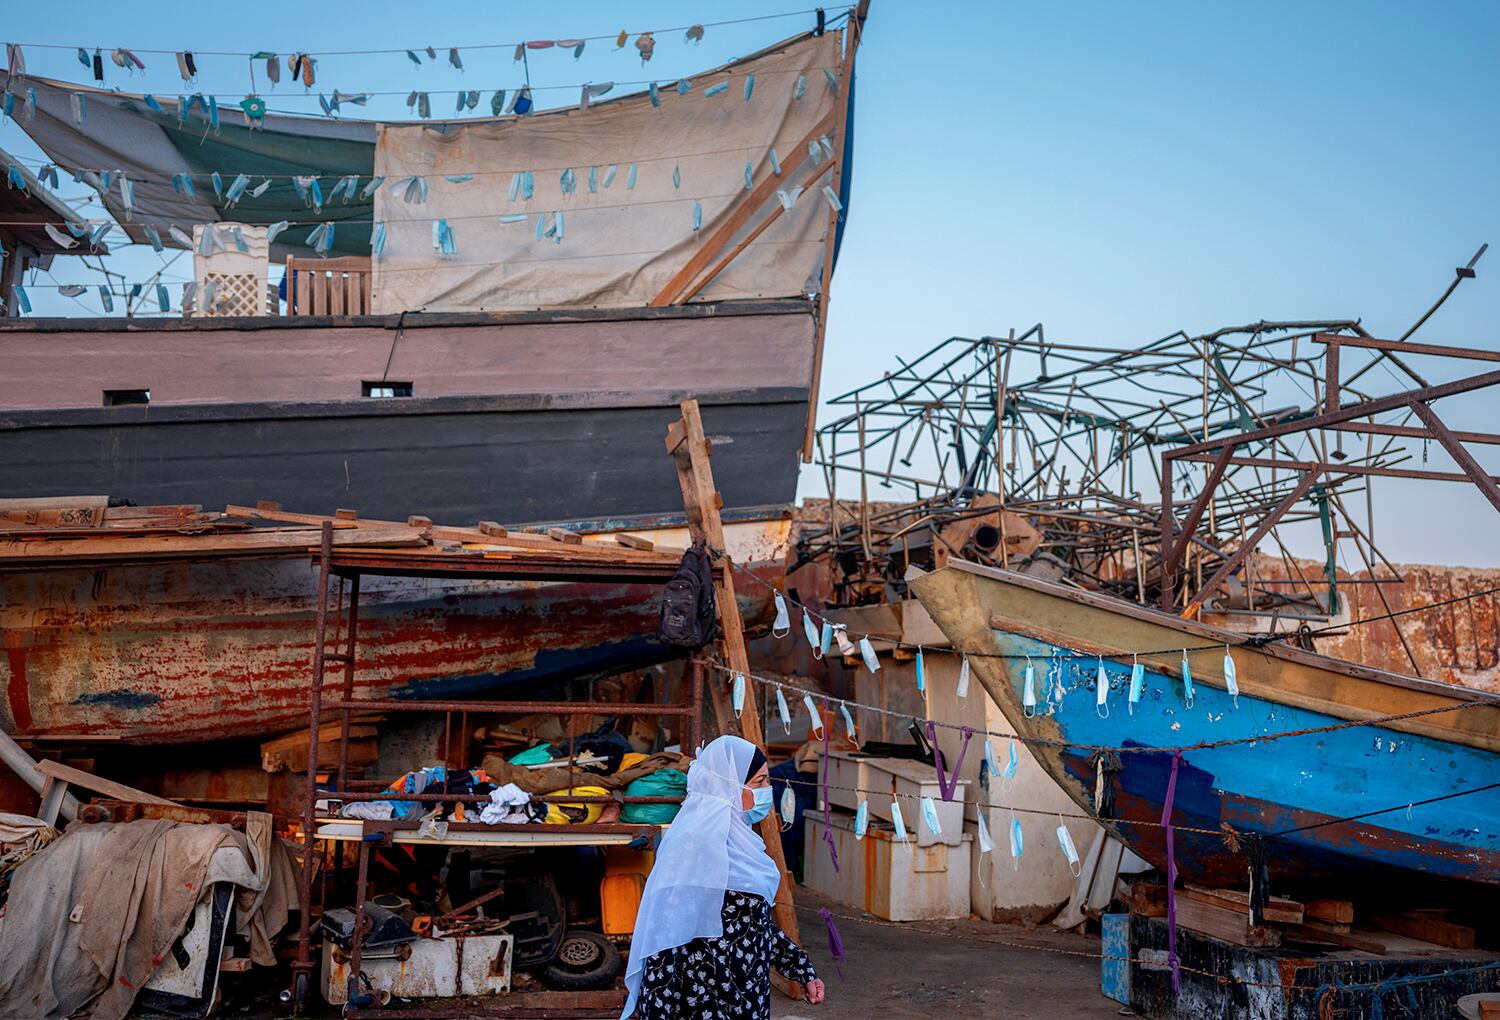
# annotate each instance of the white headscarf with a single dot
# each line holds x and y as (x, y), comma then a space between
(709, 849)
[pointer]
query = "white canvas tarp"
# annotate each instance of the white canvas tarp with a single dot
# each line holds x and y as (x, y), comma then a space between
(616, 245)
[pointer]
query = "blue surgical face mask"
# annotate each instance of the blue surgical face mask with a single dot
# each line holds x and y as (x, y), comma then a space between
(763, 800)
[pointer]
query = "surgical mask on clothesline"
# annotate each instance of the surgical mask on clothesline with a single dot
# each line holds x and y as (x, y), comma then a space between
(762, 806)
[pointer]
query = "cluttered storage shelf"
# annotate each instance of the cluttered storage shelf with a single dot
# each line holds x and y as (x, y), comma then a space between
(585, 806)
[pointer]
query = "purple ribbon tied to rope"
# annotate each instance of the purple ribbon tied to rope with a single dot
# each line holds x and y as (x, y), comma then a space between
(949, 783)
(1166, 822)
(835, 944)
(833, 850)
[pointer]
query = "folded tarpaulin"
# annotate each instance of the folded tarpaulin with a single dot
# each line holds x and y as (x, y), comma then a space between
(91, 916)
(123, 134)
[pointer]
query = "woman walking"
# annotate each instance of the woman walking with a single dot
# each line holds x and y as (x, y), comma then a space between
(704, 941)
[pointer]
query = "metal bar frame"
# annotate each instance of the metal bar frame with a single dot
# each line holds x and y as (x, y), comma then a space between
(330, 565)
(1335, 416)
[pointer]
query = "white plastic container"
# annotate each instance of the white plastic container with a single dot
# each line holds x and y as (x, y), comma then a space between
(884, 877)
(909, 780)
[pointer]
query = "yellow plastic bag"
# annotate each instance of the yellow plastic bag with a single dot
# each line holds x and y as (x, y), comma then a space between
(590, 811)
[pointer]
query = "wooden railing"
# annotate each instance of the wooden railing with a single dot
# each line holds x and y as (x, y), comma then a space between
(328, 286)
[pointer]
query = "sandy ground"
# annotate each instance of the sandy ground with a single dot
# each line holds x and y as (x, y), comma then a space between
(939, 968)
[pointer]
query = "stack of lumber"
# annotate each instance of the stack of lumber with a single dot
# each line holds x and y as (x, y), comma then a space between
(92, 516)
(1224, 914)
(86, 530)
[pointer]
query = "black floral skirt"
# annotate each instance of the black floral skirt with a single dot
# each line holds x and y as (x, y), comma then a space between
(727, 978)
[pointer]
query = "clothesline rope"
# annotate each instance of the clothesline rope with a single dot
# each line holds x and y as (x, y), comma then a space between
(792, 156)
(403, 49)
(989, 805)
(1116, 748)
(348, 95)
(1251, 641)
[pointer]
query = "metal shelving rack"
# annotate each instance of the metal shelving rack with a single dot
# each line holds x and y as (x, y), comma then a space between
(577, 563)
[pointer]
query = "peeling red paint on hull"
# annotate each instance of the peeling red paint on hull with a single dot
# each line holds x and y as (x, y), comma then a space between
(187, 652)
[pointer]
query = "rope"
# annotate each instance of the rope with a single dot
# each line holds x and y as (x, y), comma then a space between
(206, 176)
(1378, 720)
(472, 46)
(989, 805)
(1403, 612)
(1247, 641)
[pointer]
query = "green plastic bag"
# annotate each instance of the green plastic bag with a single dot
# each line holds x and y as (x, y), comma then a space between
(662, 783)
(538, 755)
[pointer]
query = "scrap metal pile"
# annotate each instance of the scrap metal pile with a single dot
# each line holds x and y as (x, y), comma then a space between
(1046, 457)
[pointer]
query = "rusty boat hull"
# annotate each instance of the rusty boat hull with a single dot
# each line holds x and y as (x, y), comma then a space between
(1349, 803)
(215, 648)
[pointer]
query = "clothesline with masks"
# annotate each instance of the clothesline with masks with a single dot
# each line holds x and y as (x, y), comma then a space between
(415, 186)
(514, 101)
(824, 633)
(303, 68)
(253, 107)
(348, 184)
(948, 781)
(739, 679)
(693, 33)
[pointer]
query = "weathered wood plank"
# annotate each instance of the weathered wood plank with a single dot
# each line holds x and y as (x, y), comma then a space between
(1427, 928)
(1278, 910)
(98, 784)
(1227, 923)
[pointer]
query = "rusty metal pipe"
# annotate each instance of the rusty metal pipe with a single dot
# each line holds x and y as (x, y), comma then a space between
(303, 966)
(357, 944)
(343, 768)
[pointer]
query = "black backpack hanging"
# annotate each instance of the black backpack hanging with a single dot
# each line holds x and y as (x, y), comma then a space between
(689, 614)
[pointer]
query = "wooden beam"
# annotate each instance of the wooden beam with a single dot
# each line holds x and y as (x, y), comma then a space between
(1427, 927)
(672, 293)
(96, 784)
(1456, 450)
(52, 502)
(695, 477)
(1278, 910)
(748, 239)
(113, 546)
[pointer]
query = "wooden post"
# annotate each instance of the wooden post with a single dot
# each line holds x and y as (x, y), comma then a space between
(690, 450)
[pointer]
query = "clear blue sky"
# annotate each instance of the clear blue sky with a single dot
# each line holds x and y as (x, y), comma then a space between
(1117, 171)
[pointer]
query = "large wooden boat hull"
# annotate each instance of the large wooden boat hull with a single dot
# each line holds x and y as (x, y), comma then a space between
(1334, 804)
(215, 648)
(511, 417)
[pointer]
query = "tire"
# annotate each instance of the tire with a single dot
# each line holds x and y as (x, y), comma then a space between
(585, 960)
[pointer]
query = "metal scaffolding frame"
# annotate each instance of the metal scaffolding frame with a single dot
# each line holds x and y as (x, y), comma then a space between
(1068, 453)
